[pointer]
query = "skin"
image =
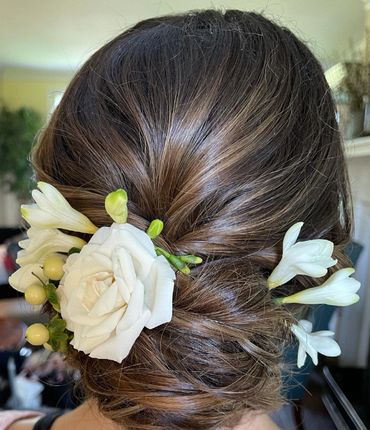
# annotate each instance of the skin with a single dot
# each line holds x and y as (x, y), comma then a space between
(87, 417)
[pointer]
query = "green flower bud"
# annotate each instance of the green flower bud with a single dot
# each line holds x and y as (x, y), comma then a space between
(180, 265)
(116, 206)
(192, 259)
(155, 228)
(174, 260)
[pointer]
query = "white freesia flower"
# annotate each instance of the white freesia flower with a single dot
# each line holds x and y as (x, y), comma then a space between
(25, 277)
(43, 242)
(52, 210)
(313, 343)
(112, 289)
(338, 290)
(310, 257)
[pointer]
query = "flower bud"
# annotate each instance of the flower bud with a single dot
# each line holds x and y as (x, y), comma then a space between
(35, 294)
(155, 228)
(52, 210)
(191, 259)
(116, 205)
(53, 267)
(37, 334)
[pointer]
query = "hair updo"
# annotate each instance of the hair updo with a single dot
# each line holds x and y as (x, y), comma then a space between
(222, 125)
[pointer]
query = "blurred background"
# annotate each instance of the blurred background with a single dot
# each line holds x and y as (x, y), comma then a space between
(43, 43)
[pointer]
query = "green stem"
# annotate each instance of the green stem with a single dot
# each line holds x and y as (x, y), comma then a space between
(278, 300)
(174, 260)
(191, 259)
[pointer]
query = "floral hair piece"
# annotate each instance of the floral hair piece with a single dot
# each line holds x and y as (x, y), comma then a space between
(313, 258)
(105, 291)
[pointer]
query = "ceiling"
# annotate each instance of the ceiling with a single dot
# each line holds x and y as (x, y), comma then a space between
(62, 34)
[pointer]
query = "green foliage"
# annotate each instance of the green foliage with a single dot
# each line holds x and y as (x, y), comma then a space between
(51, 294)
(173, 259)
(17, 132)
(59, 335)
(192, 259)
(356, 83)
(74, 250)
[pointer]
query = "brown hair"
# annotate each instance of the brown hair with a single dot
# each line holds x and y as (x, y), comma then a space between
(222, 125)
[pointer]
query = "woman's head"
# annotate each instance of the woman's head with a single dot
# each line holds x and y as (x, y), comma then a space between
(223, 126)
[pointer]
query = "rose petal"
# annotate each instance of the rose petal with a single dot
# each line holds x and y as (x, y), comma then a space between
(124, 268)
(134, 309)
(124, 291)
(118, 346)
(139, 236)
(141, 257)
(107, 302)
(107, 325)
(159, 292)
(87, 344)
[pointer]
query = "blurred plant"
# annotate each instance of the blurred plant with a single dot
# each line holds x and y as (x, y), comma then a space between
(356, 80)
(17, 132)
(355, 84)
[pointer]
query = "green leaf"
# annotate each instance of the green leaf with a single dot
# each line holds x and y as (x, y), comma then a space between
(51, 294)
(63, 346)
(59, 335)
(74, 250)
(54, 344)
(56, 325)
(59, 342)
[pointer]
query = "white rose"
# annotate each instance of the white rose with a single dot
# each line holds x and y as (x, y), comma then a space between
(112, 289)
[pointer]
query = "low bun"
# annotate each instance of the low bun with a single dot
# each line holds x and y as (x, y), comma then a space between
(219, 356)
(223, 126)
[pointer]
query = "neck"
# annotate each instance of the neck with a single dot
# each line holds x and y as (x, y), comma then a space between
(86, 417)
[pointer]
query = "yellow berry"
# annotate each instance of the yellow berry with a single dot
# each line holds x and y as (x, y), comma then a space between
(35, 294)
(53, 267)
(37, 334)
